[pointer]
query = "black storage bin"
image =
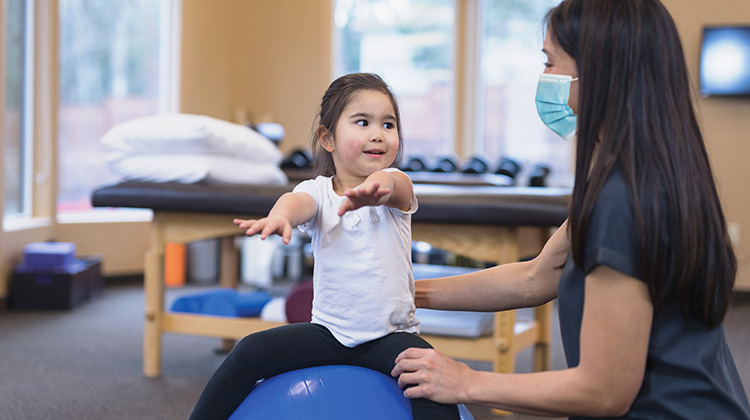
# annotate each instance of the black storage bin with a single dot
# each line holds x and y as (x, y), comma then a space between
(46, 289)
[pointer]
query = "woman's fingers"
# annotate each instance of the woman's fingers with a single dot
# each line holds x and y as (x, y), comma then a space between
(427, 373)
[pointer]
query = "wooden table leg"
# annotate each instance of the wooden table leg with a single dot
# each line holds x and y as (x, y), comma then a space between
(543, 317)
(228, 277)
(154, 296)
(504, 344)
(229, 265)
(506, 320)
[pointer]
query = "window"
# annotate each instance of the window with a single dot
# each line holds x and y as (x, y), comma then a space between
(112, 61)
(510, 63)
(18, 103)
(411, 44)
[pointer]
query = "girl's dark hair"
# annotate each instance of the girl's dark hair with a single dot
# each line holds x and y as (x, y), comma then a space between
(635, 105)
(335, 99)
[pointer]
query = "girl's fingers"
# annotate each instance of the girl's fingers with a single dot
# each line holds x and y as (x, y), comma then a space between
(346, 206)
(244, 224)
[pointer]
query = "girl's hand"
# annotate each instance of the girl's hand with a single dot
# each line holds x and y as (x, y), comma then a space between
(367, 194)
(432, 375)
(267, 226)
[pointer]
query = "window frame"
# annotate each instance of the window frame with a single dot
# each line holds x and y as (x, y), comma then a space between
(28, 120)
(27, 117)
(40, 82)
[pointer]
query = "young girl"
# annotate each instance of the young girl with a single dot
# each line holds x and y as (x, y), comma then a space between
(358, 213)
(643, 269)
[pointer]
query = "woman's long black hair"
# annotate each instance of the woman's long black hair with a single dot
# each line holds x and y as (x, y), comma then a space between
(636, 111)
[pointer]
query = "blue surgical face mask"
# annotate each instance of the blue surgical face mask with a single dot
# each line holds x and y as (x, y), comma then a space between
(552, 95)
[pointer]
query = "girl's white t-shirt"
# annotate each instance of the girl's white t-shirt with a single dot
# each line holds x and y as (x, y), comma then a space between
(363, 282)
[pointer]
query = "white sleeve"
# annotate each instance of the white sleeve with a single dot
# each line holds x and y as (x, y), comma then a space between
(312, 188)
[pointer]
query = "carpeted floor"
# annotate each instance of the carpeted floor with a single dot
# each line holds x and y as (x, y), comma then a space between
(86, 363)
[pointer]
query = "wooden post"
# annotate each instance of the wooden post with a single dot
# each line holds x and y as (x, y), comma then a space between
(154, 295)
(228, 277)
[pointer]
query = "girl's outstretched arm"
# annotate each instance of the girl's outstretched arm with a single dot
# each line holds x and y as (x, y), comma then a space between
(381, 188)
(290, 211)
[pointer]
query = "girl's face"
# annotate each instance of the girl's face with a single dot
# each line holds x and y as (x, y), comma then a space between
(559, 62)
(366, 137)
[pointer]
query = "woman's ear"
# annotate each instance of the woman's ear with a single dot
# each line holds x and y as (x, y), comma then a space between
(325, 139)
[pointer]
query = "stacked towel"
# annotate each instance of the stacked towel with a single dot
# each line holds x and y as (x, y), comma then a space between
(187, 148)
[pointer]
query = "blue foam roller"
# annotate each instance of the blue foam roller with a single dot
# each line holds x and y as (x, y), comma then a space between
(236, 304)
(223, 302)
(194, 303)
(222, 305)
(331, 393)
(251, 303)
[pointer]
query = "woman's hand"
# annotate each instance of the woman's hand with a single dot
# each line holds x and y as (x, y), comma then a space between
(427, 373)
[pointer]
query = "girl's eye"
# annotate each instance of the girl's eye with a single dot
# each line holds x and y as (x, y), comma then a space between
(547, 64)
(389, 125)
(362, 123)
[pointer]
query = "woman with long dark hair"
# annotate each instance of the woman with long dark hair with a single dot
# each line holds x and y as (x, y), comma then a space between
(643, 268)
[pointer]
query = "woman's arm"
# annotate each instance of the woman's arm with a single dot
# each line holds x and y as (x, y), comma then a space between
(615, 333)
(507, 286)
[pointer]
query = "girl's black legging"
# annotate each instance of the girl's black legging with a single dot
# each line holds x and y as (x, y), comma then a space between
(297, 346)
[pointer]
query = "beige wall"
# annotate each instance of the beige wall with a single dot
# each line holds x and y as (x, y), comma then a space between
(288, 65)
(122, 245)
(211, 53)
(270, 58)
(725, 121)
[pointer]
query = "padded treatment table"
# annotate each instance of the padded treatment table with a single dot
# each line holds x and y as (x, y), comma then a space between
(487, 223)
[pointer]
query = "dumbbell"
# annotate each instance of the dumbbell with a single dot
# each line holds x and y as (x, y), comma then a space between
(476, 165)
(508, 167)
(298, 159)
(538, 176)
(414, 164)
(445, 164)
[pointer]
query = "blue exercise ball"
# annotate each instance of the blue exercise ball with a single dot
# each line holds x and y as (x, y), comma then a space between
(336, 392)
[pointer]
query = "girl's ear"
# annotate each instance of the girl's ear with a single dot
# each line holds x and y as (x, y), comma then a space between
(325, 139)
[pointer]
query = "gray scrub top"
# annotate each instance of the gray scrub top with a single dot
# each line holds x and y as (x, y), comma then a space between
(690, 372)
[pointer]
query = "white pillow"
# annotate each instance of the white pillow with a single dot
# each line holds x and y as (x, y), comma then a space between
(190, 168)
(186, 133)
(275, 310)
